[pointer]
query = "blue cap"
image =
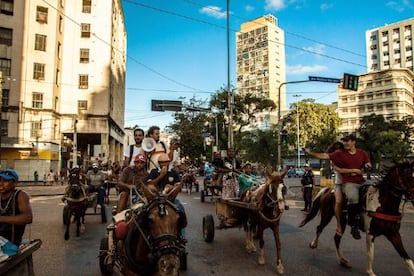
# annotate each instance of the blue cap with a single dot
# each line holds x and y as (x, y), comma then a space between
(9, 174)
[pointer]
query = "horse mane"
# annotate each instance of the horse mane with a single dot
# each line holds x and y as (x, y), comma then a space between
(387, 172)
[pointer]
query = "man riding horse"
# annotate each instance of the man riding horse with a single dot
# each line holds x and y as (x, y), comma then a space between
(349, 158)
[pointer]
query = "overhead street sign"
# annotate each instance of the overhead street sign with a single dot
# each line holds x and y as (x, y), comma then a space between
(322, 79)
(163, 105)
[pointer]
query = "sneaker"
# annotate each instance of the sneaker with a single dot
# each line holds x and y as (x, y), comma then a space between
(355, 233)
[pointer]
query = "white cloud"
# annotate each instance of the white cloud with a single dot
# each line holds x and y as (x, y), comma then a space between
(305, 69)
(317, 49)
(326, 6)
(400, 6)
(213, 11)
(275, 5)
(249, 8)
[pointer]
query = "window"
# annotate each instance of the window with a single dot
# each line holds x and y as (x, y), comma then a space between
(5, 97)
(39, 71)
(60, 24)
(6, 7)
(6, 36)
(59, 50)
(5, 66)
(84, 56)
(83, 81)
(85, 30)
(37, 100)
(36, 129)
(86, 6)
(82, 105)
(41, 14)
(4, 128)
(373, 37)
(40, 42)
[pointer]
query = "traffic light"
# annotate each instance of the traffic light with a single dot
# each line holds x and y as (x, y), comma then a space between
(283, 136)
(350, 82)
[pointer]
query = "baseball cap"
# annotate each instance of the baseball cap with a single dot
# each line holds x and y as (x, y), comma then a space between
(94, 166)
(9, 174)
(140, 158)
(348, 137)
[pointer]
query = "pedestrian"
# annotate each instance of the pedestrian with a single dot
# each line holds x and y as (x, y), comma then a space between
(36, 177)
(307, 181)
(349, 158)
(44, 179)
(50, 177)
(15, 209)
(133, 150)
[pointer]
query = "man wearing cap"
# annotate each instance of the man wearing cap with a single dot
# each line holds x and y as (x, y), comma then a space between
(308, 178)
(164, 178)
(15, 209)
(349, 158)
(95, 179)
(130, 181)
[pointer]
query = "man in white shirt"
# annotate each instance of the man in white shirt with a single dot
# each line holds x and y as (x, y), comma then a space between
(133, 150)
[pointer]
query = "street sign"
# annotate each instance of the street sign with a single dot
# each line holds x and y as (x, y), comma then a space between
(159, 105)
(322, 79)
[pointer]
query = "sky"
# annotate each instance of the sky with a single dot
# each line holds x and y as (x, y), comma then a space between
(177, 49)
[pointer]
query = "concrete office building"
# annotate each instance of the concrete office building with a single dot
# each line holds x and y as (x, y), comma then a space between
(261, 66)
(65, 64)
(390, 46)
(388, 93)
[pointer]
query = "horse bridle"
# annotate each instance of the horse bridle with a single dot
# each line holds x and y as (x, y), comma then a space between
(163, 244)
(271, 204)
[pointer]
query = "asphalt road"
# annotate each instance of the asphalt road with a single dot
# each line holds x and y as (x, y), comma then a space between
(225, 255)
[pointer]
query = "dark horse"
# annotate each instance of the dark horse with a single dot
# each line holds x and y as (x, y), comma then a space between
(188, 180)
(76, 203)
(152, 240)
(381, 215)
(270, 203)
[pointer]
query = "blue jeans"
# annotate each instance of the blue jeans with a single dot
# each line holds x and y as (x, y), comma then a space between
(101, 193)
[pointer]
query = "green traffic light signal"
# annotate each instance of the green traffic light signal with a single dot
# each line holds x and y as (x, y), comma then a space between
(350, 82)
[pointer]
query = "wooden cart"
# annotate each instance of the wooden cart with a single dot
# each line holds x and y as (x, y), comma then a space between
(22, 263)
(229, 212)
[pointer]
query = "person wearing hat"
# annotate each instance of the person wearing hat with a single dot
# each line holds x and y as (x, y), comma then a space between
(130, 181)
(95, 179)
(15, 209)
(163, 178)
(308, 179)
(349, 158)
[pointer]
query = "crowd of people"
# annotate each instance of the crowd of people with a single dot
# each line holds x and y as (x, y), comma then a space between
(159, 169)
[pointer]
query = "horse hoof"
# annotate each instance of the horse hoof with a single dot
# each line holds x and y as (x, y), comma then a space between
(345, 263)
(313, 245)
(82, 229)
(261, 261)
(371, 273)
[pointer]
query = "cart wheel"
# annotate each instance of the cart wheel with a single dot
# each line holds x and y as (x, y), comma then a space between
(183, 259)
(103, 214)
(65, 214)
(202, 195)
(106, 269)
(208, 228)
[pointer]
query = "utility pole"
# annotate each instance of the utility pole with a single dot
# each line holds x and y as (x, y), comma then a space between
(229, 92)
(75, 144)
(1, 110)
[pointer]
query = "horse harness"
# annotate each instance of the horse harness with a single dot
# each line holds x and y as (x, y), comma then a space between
(172, 245)
(273, 204)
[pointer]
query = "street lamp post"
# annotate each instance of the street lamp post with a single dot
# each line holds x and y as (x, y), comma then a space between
(279, 118)
(298, 135)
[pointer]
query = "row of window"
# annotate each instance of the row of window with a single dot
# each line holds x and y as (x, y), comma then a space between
(6, 7)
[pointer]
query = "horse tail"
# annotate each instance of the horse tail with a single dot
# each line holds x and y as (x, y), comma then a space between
(316, 204)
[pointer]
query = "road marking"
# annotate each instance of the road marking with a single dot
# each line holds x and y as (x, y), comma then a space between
(40, 198)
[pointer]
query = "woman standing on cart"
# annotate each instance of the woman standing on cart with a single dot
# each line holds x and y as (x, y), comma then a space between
(228, 165)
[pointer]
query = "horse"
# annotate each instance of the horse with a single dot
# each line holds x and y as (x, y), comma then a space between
(188, 180)
(152, 242)
(270, 203)
(76, 199)
(381, 216)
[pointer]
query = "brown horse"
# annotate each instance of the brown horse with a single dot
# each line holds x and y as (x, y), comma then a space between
(188, 180)
(76, 203)
(152, 241)
(269, 199)
(380, 217)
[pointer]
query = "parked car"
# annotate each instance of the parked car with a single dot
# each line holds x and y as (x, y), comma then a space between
(299, 172)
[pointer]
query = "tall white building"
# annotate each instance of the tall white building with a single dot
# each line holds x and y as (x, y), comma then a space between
(63, 65)
(261, 65)
(390, 46)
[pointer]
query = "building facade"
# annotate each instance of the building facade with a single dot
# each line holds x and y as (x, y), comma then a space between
(261, 65)
(388, 93)
(65, 101)
(390, 46)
